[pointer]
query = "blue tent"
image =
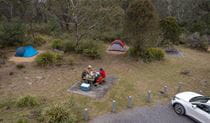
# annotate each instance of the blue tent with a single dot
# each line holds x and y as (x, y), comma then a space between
(27, 51)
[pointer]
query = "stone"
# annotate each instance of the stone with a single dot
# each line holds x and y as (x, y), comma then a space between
(2, 61)
(186, 72)
(11, 73)
(30, 83)
(39, 77)
(26, 78)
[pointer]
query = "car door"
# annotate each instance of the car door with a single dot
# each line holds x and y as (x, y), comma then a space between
(198, 112)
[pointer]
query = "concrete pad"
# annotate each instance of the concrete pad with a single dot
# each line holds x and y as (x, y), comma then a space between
(95, 92)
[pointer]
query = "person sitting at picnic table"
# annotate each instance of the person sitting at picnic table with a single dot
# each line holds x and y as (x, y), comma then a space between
(84, 74)
(90, 70)
(90, 76)
(102, 76)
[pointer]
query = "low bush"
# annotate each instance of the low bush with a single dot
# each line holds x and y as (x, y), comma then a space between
(38, 40)
(90, 48)
(20, 66)
(48, 58)
(57, 44)
(59, 114)
(153, 54)
(199, 26)
(93, 53)
(69, 46)
(133, 52)
(196, 41)
(23, 120)
(8, 103)
(27, 101)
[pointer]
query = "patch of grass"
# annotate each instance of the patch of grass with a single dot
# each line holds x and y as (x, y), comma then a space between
(7, 103)
(22, 121)
(27, 101)
(70, 60)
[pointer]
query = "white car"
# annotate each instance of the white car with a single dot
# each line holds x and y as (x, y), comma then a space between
(192, 104)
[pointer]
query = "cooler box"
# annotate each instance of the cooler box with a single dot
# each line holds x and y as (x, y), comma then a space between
(85, 87)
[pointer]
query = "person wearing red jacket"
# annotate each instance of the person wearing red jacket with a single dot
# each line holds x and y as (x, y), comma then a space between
(102, 76)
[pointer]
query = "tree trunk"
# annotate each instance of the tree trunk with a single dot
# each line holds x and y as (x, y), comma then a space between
(77, 35)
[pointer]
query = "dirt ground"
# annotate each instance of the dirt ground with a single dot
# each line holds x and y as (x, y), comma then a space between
(135, 78)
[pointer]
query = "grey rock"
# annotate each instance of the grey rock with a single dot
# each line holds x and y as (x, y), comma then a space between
(186, 72)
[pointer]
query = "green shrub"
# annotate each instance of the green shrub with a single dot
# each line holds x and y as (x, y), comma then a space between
(48, 58)
(69, 46)
(22, 120)
(92, 53)
(153, 54)
(59, 114)
(57, 44)
(171, 31)
(196, 41)
(134, 52)
(204, 43)
(89, 48)
(12, 33)
(27, 101)
(198, 26)
(38, 40)
(20, 66)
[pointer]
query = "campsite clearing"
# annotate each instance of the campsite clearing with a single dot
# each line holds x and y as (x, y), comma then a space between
(135, 79)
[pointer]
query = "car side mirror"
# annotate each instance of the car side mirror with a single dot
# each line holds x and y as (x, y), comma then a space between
(194, 106)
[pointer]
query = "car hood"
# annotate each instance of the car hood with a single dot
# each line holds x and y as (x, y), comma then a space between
(186, 96)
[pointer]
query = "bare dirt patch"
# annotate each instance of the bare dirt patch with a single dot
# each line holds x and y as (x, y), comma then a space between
(23, 60)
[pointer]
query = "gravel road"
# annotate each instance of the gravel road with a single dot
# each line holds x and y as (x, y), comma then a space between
(154, 114)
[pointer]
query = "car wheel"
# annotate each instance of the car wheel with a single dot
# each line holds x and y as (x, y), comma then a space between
(179, 109)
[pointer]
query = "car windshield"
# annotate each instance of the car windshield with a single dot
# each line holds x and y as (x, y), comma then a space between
(201, 99)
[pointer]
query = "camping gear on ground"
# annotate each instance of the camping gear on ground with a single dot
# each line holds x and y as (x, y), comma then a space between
(118, 45)
(85, 87)
(171, 51)
(26, 51)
